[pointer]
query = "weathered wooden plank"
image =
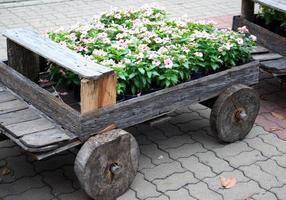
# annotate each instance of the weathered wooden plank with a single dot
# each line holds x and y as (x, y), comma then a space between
(43, 155)
(40, 98)
(267, 56)
(275, 66)
(18, 116)
(28, 149)
(60, 55)
(44, 138)
(259, 50)
(24, 61)
(11, 106)
(279, 5)
(28, 127)
(247, 9)
(6, 96)
(99, 93)
(146, 107)
(265, 37)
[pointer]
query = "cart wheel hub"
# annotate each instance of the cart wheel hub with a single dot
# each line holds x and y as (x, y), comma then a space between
(115, 168)
(241, 115)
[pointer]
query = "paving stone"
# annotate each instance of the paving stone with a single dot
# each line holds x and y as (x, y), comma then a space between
(255, 131)
(55, 162)
(175, 141)
(274, 140)
(245, 158)
(175, 181)
(267, 150)
(201, 191)
(208, 141)
(181, 194)
(264, 196)
(271, 167)
(157, 156)
(3, 163)
(168, 129)
(129, 195)
(149, 189)
(185, 117)
(162, 171)
(280, 192)
(281, 160)
(232, 149)
(264, 179)
(9, 152)
(19, 167)
(197, 107)
(58, 182)
(216, 164)
(162, 197)
(151, 133)
(68, 173)
(143, 140)
(20, 186)
(200, 170)
(186, 150)
(77, 195)
(194, 125)
(145, 162)
(32, 194)
(7, 144)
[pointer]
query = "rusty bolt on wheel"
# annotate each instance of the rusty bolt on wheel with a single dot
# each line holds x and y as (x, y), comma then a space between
(115, 168)
(241, 115)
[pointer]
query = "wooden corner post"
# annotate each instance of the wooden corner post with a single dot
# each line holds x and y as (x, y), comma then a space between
(23, 60)
(247, 9)
(98, 93)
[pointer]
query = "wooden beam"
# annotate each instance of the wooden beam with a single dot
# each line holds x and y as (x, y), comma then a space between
(23, 60)
(99, 93)
(150, 106)
(56, 53)
(247, 9)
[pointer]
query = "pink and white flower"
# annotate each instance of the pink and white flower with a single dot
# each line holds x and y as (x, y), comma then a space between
(243, 29)
(168, 63)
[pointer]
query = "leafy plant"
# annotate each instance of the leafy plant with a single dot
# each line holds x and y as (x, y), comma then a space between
(148, 50)
(271, 15)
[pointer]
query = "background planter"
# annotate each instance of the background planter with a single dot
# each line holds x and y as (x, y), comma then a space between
(277, 44)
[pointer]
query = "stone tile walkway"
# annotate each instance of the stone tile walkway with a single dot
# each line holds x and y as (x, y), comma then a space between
(180, 159)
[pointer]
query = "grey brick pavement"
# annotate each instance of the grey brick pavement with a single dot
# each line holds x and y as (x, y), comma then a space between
(188, 168)
(180, 159)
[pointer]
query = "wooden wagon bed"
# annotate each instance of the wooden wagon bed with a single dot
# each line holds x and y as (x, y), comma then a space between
(107, 162)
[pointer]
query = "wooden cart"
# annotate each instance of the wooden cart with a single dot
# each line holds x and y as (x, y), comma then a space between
(108, 159)
(272, 51)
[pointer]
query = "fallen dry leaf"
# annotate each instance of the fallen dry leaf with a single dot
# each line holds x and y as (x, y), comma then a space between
(277, 115)
(275, 129)
(5, 171)
(228, 183)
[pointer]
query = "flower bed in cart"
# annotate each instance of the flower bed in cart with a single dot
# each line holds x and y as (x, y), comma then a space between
(149, 51)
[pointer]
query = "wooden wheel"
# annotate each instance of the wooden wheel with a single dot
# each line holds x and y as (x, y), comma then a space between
(107, 164)
(234, 113)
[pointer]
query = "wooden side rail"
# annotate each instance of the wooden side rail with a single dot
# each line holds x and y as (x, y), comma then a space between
(247, 6)
(26, 48)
